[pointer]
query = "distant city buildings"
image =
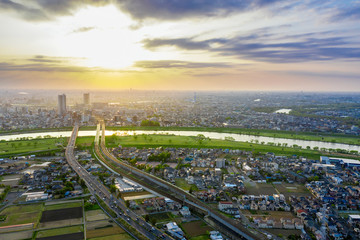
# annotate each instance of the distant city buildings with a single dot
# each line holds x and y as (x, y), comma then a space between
(86, 98)
(61, 104)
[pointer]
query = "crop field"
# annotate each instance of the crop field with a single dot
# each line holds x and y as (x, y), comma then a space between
(61, 214)
(196, 228)
(63, 205)
(70, 236)
(59, 231)
(123, 236)
(95, 215)
(102, 232)
(16, 235)
(91, 225)
(21, 214)
(61, 223)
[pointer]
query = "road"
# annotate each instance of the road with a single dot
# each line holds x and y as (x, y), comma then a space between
(240, 232)
(118, 206)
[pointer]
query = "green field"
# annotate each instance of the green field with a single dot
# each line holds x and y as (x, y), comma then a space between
(196, 228)
(153, 141)
(181, 183)
(59, 231)
(22, 214)
(313, 136)
(63, 205)
(31, 146)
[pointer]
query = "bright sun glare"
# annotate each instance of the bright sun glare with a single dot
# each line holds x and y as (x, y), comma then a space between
(107, 41)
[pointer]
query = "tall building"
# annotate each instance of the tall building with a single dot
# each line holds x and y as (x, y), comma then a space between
(62, 104)
(87, 98)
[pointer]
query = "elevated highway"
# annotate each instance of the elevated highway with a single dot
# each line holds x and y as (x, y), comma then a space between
(234, 228)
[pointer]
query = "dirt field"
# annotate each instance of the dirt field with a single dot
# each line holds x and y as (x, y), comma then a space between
(104, 232)
(112, 237)
(260, 189)
(95, 215)
(196, 228)
(16, 235)
(61, 214)
(284, 232)
(98, 224)
(10, 180)
(274, 214)
(292, 189)
(71, 236)
(61, 223)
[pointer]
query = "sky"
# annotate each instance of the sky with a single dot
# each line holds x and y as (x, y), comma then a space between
(216, 45)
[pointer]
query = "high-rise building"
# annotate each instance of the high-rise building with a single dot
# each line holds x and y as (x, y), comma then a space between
(62, 104)
(87, 98)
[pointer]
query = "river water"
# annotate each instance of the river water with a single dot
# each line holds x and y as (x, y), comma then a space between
(213, 135)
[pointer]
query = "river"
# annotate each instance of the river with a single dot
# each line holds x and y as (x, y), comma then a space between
(213, 135)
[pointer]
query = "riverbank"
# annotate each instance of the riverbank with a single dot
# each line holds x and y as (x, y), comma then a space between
(154, 141)
(307, 136)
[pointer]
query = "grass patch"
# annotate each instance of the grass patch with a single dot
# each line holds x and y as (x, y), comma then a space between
(160, 217)
(153, 141)
(201, 237)
(59, 231)
(104, 232)
(63, 205)
(22, 214)
(196, 228)
(181, 183)
(311, 136)
(33, 145)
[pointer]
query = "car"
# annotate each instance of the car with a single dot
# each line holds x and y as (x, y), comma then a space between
(128, 219)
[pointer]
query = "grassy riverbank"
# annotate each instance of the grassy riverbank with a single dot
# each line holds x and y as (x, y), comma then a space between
(33, 146)
(310, 136)
(153, 141)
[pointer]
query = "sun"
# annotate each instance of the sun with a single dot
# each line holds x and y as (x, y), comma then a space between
(105, 41)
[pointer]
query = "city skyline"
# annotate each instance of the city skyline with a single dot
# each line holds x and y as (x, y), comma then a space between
(193, 45)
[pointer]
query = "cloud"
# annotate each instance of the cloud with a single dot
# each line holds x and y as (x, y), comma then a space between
(327, 74)
(42, 10)
(45, 10)
(178, 64)
(268, 47)
(182, 43)
(26, 12)
(175, 9)
(40, 67)
(352, 13)
(83, 29)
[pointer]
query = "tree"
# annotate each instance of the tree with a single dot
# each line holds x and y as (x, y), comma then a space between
(200, 138)
(112, 188)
